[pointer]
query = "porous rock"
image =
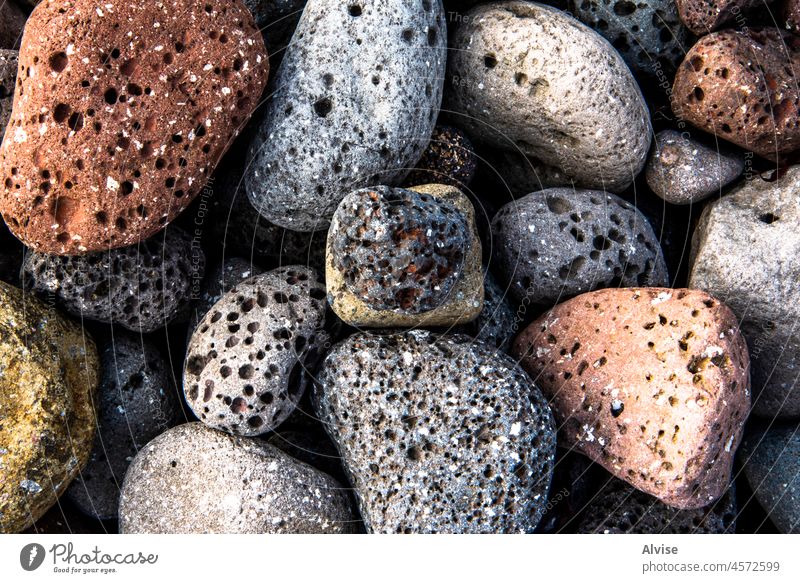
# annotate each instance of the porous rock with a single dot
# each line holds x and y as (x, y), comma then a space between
(8, 76)
(48, 379)
(367, 78)
(743, 89)
(109, 141)
(791, 15)
(498, 322)
(247, 359)
(682, 170)
(136, 402)
(532, 80)
(746, 252)
(704, 16)
(559, 242)
(193, 479)
(142, 287)
(437, 434)
(449, 159)
(651, 383)
(398, 257)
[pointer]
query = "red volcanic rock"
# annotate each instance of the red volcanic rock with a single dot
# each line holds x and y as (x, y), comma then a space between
(121, 112)
(652, 383)
(703, 16)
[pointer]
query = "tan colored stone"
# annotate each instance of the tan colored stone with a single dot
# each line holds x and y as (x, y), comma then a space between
(48, 378)
(463, 304)
(652, 383)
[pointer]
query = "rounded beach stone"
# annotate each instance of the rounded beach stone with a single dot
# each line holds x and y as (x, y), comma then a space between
(8, 77)
(648, 35)
(356, 99)
(618, 508)
(560, 242)
(651, 383)
(48, 379)
(498, 322)
(721, 88)
(771, 461)
(193, 479)
(449, 159)
(398, 257)
(12, 21)
(704, 16)
(531, 79)
(684, 171)
(109, 141)
(137, 402)
(246, 364)
(746, 252)
(437, 434)
(142, 287)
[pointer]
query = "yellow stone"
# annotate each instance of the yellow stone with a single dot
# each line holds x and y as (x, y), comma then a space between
(48, 380)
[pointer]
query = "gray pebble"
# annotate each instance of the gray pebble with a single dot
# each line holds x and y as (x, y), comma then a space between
(356, 99)
(560, 242)
(142, 287)
(746, 253)
(683, 171)
(437, 434)
(530, 79)
(498, 322)
(193, 479)
(137, 402)
(771, 461)
(246, 362)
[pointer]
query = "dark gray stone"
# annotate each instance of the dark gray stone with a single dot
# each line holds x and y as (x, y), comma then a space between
(137, 402)
(437, 434)
(498, 322)
(8, 76)
(142, 287)
(246, 362)
(560, 242)
(356, 99)
(276, 19)
(193, 479)
(449, 159)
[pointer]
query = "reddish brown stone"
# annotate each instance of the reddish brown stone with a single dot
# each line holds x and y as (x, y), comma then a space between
(703, 16)
(743, 89)
(12, 21)
(120, 115)
(652, 383)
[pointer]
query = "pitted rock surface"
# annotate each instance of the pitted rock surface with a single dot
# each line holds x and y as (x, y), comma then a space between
(530, 79)
(48, 379)
(560, 242)
(438, 434)
(193, 479)
(142, 287)
(137, 402)
(356, 100)
(110, 140)
(8, 76)
(743, 88)
(399, 249)
(497, 323)
(246, 363)
(746, 252)
(449, 159)
(704, 16)
(651, 383)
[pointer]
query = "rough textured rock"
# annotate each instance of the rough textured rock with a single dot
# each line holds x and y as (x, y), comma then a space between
(560, 242)
(142, 287)
(8, 76)
(398, 257)
(771, 460)
(367, 78)
(449, 159)
(109, 141)
(437, 434)
(193, 479)
(648, 35)
(48, 377)
(498, 322)
(746, 252)
(246, 362)
(136, 402)
(619, 508)
(743, 88)
(791, 15)
(12, 21)
(704, 16)
(684, 171)
(530, 79)
(651, 383)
